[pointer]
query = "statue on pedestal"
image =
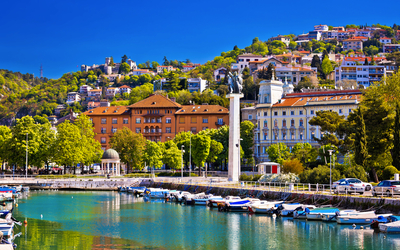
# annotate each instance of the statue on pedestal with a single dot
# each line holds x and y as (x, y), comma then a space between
(235, 83)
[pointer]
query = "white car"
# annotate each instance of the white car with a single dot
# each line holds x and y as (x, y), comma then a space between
(351, 185)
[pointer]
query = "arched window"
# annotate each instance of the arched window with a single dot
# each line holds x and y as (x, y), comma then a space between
(265, 123)
(301, 122)
(284, 123)
(276, 123)
(292, 123)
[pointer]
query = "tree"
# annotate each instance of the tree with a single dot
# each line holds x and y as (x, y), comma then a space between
(278, 152)
(112, 64)
(17, 147)
(154, 64)
(47, 145)
(165, 61)
(360, 143)
(153, 154)
(395, 57)
(246, 133)
(200, 150)
(90, 147)
(326, 67)
(292, 166)
(305, 153)
(172, 155)
(316, 63)
(5, 136)
(124, 67)
(396, 139)
(124, 58)
(292, 45)
(130, 147)
(215, 149)
(68, 148)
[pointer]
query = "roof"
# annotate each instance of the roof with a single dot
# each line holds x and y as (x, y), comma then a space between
(93, 104)
(110, 154)
(335, 97)
(360, 37)
(360, 58)
(250, 55)
(113, 110)
(352, 40)
(386, 38)
(201, 109)
(156, 101)
(95, 90)
(124, 87)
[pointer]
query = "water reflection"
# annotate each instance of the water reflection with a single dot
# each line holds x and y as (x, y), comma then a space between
(109, 220)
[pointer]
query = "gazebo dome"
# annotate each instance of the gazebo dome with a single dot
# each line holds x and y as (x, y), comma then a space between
(110, 154)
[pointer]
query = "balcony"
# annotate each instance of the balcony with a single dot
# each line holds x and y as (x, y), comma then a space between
(152, 131)
(220, 123)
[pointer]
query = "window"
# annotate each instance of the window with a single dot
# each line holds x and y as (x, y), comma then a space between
(292, 112)
(103, 130)
(284, 123)
(301, 136)
(193, 120)
(340, 111)
(301, 112)
(265, 136)
(114, 130)
(193, 129)
(292, 137)
(283, 113)
(265, 124)
(250, 117)
(204, 128)
(283, 135)
(220, 121)
(103, 120)
(349, 110)
(276, 113)
(103, 140)
(114, 121)
(292, 123)
(125, 121)
(312, 112)
(301, 122)
(138, 131)
(181, 119)
(168, 130)
(138, 120)
(168, 120)
(205, 120)
(265, 113)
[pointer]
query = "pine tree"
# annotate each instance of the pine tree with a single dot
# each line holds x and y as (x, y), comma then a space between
(372, 60)
(360, 143)
(366, 61)
(270, 69)
(316, 63)
(396, 139)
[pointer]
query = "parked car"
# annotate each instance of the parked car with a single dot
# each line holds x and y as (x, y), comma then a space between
(388, 187)
(351, 185)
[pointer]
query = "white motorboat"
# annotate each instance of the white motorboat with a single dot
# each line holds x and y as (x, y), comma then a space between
(262, 207)
(392, 227)
(360, 218)
(203, 201)
(329, 217)
(215, 202)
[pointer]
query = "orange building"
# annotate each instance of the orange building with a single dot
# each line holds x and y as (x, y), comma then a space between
(107, 120)
(157, 117)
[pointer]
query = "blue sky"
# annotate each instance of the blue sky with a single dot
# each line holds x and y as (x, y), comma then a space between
(63, 34)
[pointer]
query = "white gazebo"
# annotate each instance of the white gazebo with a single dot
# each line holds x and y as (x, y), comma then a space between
(110, 163)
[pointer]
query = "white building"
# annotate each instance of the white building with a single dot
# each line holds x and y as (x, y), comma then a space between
(219, 74)
(243, 61)
(385, 40)
(196, 84)
(353, 68)
(95, 93)
(125, 89)
(84, 89)
(321, 27)
(111, 92)
(73, 97)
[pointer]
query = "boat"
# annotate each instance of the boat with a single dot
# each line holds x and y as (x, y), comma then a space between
(383, 220)
(203, 200)
(216, 202)
(360, 218)
(328, 217)
(177, 196)
(157, 193)
(240, 205)
(316, 214)
(288, 209)
(136, 190)
(263, 207)
(391, 227)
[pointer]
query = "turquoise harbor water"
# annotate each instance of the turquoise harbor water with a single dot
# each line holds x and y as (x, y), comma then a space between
(111, 220)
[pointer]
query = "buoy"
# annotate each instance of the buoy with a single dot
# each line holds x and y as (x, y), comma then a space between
(16, 205)
(25, 222)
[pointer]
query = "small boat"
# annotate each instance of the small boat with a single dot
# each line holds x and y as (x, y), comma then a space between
(216, 202)
(329, 217)
(136, 190)
(157, 193)
(204, 200)
(360, 218)
(178, 196)
(316, 214)
(383, 220)
(289, 209)
(391, 227)
(263, 207)
(240, 205)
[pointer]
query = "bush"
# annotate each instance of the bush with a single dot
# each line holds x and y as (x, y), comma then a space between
(283, 178)
(292, 166)
(388, 172)
(55, 176)
(319, 175)
(138, 175)
(245, 177)
(176, 174)
(257, 177)
(356, 171)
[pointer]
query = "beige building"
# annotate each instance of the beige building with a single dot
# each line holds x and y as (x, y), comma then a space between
(354, 44)
(283, 116)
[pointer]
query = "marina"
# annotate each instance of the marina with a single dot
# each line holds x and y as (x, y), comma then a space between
(96, 220)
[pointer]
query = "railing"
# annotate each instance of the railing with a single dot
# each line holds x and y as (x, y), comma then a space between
(219, 123)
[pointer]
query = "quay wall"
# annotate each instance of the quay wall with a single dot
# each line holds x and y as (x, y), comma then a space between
(361, 203)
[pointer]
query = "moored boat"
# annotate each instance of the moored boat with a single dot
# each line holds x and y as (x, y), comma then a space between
(360, 218)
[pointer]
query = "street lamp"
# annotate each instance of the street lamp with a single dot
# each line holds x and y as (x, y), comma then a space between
(330, 170)
(26, 169)
(238, 145)
(182, 151)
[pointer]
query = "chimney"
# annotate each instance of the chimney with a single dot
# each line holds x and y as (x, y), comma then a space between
(173, 99)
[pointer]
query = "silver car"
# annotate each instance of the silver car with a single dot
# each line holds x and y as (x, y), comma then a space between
(351, 185)
(388, 188)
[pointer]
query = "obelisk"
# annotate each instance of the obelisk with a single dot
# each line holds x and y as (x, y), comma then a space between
(234, 136)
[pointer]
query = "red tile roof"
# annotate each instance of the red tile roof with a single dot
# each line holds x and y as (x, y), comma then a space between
(124, 87)
(202, 109)
(302, 101)
(156, 101)
(113, 110)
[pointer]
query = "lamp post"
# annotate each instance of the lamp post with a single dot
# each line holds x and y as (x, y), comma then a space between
(330, 170)
(238, 145)
(190, 155)
(182, 151)
(26, 169)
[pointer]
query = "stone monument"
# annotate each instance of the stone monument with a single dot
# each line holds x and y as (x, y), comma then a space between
(235, 86)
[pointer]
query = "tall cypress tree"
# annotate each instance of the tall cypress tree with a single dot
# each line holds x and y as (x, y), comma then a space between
(360, 144)
(396, 140)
